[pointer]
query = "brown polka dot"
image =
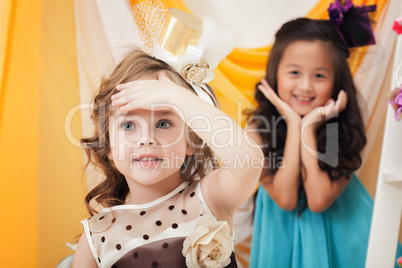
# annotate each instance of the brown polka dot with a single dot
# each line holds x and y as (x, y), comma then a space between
(184, 211)
(155, 264)
(174, 225)
(159, 223)
(146, 237)
(171, 207)
(118, 246)
(103, 239)
(165, 245)
(181, 191)
(135, 255)
(201, 215)
(128, 227)
(99, 260)
(90, 233)
(113, 220)
(101, 218)
(192, 194)
(142, 213)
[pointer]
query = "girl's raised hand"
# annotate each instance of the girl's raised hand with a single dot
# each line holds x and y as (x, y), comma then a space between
(283, 108)
(143, 94)
(320, 115)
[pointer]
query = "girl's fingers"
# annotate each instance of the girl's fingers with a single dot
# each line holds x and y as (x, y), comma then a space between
(125, 85)
(333, 108)
(119, 102)
(124, 99)
(268, 92)
(342, 100)
(265, 83)
(122, 93)
(329, 102)
(126, 107)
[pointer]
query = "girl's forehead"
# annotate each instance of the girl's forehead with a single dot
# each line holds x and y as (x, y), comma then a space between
(317, 51)
(303, 44)
(145, 113)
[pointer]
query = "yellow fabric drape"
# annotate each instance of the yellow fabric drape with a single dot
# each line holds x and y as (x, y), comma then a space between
(40, 171)
(18, 138)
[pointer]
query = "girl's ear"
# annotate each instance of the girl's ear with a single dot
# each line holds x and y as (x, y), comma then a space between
(190, 150)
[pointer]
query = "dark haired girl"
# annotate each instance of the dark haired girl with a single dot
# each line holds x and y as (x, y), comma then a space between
(311, 211)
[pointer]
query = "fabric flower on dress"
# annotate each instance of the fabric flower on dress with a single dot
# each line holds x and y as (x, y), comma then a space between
(399, 261)
(395, 99)
(397, 27)
(210, 245)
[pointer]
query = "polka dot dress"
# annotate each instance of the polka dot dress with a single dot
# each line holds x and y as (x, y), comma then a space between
(146, 235)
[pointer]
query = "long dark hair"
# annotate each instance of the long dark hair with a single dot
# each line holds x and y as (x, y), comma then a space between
(350, 131)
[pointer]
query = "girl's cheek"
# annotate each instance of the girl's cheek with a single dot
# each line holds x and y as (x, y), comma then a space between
(131, 137)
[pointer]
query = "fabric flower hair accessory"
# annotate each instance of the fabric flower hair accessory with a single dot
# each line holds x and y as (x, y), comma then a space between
(352, 23)
(395, 99)
(192, 46)
(210, 245)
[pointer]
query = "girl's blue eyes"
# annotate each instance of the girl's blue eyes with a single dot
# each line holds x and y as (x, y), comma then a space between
(164, 123)
(128, 125)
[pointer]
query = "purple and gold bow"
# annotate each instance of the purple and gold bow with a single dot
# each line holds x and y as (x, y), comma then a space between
(352, 23)
(336, 11)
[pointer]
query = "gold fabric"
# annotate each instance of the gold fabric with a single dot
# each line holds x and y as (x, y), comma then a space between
(180, 30)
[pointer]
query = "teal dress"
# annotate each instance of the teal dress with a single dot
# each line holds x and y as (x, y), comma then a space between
(337, 237)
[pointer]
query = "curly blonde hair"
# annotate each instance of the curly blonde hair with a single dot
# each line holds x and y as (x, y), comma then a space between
(113, 190)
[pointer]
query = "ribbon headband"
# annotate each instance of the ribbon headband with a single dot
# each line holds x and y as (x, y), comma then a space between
(188, 44)
(352, 23)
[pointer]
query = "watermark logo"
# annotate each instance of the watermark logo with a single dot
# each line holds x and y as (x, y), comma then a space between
(226, 136)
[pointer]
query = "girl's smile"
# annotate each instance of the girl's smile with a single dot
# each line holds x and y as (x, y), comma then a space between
(147, 160)
(306, 75)
(303, 100)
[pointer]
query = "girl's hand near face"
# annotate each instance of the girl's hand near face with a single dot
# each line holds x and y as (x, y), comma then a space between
(321, 192)
(291, 117)
(228, 187)
(321, 115)
(284, 187)
(142, 94)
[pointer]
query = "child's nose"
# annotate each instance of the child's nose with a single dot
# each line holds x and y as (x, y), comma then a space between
(147, 138)
(150, 143)
(306, 84)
